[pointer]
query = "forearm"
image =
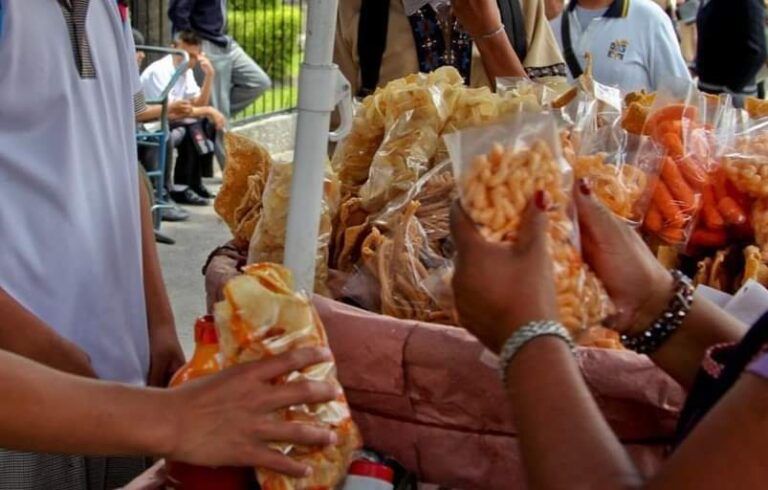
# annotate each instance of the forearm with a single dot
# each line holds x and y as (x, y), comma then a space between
(152, 113)
(204, 98)
(201, 112)
(706, 325)
(499, 57)
(563, 436)
(24, 334)
(45, 411)
(159, 312)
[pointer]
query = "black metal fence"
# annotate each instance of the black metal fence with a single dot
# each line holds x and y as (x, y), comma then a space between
(270, 31)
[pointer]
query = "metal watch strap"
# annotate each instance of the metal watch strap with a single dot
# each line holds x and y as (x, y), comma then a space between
(524, 335)
(668, 322)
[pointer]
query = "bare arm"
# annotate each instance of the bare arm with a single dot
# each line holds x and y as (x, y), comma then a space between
(641, 288)
(23, 333)
(224, 419)
(481, 18)
(204, 98)
(166, 353)
(564, 439)
(706, 325)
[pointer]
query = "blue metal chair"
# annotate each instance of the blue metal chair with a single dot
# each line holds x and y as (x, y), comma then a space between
(160, 138)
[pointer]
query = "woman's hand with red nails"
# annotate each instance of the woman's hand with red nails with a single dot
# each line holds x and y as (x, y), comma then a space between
(500, 287)
(638, 284)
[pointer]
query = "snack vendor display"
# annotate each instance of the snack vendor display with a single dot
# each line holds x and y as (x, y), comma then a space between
(262, 317)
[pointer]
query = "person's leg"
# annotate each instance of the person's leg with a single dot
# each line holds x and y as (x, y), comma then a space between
(186, 173)
(248, 82)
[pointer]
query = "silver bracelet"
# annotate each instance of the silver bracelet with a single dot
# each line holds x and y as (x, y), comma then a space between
(664, 326)
(488, 35)
(524, 335)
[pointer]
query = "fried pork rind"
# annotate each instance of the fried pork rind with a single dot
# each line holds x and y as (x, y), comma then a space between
(268, 241)
(618, 187)
(756, 108)
(239, 198)
(496, 187)
(408, 270)
(262, 317)
(637, 107)
(754, 266)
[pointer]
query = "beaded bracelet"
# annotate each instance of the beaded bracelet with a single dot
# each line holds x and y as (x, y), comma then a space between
(670, 320)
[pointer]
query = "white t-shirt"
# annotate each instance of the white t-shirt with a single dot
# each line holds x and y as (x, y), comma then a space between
(158, 75)
(633, 45)
(70, 228)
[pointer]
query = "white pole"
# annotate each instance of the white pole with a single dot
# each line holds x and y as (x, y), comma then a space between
(317, 88)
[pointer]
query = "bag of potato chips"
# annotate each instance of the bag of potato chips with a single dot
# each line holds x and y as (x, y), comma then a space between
(262, 317)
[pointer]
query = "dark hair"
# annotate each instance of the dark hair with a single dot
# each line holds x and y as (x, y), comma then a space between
(187, 37)
(138, 37)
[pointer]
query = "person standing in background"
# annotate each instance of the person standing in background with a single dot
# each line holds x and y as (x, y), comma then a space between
(731, 47)
(633, 43)
(239, 79)
(378, 41)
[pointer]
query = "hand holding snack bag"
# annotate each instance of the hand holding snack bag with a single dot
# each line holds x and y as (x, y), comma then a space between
(262, 317)
(499, 169)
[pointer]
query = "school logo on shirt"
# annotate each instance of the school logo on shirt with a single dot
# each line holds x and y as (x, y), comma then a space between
(618, 49)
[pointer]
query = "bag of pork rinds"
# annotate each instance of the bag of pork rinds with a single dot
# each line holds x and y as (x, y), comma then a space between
(403, 270)
(498, 169)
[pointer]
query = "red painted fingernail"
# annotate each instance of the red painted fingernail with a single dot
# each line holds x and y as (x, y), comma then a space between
(584, 187)
(541, 198)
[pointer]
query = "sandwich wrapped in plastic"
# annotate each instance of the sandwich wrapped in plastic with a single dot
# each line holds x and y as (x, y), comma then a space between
(262, 317)
(239, 199)
(268, 241)
(499, 168)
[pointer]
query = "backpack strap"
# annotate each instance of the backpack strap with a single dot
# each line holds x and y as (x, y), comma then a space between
(514, 25)
(709, 388)
(371, 42)
(568, 54)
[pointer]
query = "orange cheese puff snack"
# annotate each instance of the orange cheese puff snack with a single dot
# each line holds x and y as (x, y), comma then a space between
(709, 211)
(672, 112)
(677, 185)
(619, 187)
(694, 175)
(496, 189)
(668, 207)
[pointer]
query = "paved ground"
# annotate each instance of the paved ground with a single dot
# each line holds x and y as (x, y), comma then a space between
(182, 264)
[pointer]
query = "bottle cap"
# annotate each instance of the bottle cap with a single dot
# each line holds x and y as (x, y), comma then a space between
(378, 471)
(205, 331)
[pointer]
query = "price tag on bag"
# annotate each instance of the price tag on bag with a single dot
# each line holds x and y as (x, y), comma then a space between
(608, 95)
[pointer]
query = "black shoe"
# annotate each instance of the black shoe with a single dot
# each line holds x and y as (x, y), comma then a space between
(174, 213)
(189, 197)
(203, 191)
(161, 237)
